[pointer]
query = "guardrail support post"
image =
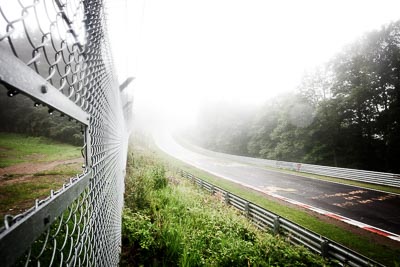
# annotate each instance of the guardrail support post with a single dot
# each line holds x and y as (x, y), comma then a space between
(276, 225)
(247, 209)
(324, 248)
(227, 198)
(212, 190)
(201, 184)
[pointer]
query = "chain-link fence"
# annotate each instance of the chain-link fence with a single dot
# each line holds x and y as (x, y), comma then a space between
(57, 53)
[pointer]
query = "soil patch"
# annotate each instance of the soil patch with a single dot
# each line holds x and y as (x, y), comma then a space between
(31, 168)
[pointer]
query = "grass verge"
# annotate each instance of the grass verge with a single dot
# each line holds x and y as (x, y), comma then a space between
(383, 253)
(17, 148)
(168, 222)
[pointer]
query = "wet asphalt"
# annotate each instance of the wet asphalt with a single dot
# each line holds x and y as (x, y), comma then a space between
(378, 209)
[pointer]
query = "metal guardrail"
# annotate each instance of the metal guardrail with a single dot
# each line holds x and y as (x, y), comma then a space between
(296, 234)
(372, 177)
(57, 53)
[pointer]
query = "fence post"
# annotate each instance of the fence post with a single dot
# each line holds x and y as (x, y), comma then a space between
(212, 189)
(201, 184)
(277, 225)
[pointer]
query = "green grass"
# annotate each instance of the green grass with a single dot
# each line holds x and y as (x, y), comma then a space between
(16, 197)
(172, 223)
(64, 170)
(16, 148)
(19, 191)
(362, 244)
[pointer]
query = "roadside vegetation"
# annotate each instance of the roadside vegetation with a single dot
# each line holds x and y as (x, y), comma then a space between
(169, 222)
(377, 248)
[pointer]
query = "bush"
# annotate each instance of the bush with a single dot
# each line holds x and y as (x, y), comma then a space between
(158, 174)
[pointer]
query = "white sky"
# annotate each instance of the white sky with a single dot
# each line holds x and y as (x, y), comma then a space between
(185, 52)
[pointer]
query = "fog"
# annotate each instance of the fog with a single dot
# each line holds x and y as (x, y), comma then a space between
(188, 54)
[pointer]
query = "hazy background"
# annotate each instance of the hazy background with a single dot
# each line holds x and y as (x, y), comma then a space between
(187, 53)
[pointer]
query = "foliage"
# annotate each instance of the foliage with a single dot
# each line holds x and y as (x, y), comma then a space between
(344, 114)
(180, 225)
(19, 115)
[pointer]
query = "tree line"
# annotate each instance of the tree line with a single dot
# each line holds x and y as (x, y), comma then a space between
(345, 113)
(19, 114)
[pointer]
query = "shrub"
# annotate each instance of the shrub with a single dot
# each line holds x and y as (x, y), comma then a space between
(157, 173)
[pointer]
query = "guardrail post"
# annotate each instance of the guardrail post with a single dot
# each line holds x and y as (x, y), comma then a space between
(247, 209)
(227, 198)
(212, 190)
(277, 225)
(324, 248)
(201, 184)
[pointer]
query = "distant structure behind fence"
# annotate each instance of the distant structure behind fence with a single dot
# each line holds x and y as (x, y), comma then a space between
(57, 53)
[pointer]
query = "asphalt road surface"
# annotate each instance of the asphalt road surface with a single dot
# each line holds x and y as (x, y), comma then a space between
(378, 209)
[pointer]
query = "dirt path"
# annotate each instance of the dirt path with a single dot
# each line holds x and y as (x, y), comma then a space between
(34, 167)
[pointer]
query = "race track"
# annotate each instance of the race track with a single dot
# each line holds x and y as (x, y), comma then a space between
(378, 209)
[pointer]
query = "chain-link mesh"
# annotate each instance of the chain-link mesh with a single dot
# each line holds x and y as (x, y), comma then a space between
(65, 42)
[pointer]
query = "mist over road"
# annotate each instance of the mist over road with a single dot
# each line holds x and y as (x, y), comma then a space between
(378, 209)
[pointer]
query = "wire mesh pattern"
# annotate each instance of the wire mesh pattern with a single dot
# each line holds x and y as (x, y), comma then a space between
(65, 43)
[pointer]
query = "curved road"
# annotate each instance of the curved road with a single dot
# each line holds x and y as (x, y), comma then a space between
(378, 209)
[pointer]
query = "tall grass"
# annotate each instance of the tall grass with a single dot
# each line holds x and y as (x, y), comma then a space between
(168, 222)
